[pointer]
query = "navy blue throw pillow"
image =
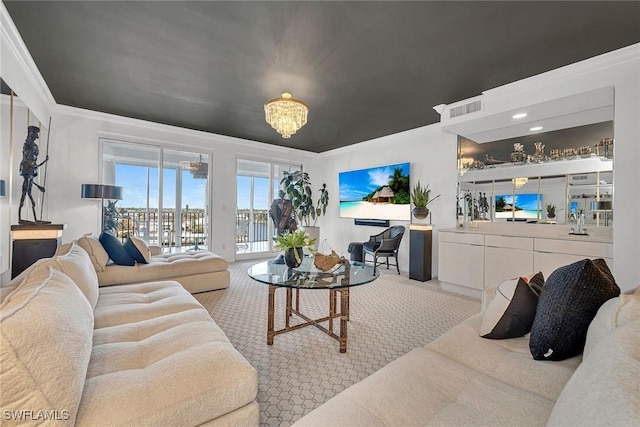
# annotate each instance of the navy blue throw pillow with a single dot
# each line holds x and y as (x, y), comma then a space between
(115, 249)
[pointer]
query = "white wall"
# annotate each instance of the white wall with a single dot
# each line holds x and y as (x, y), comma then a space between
(432, 154)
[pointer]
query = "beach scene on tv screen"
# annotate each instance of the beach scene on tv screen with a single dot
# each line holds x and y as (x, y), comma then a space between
(523, 206)
(376, 193)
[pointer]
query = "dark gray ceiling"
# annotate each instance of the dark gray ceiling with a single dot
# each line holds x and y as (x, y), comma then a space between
(366, 69)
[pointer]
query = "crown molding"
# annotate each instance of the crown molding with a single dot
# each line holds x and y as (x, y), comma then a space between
(219, 141)
(20, 72)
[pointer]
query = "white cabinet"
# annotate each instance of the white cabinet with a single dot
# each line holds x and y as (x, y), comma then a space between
(506, 257)
(473, 261)
(461, 259)
(550, 254)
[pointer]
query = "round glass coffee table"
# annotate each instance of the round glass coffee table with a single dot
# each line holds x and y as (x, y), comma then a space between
(307, 277)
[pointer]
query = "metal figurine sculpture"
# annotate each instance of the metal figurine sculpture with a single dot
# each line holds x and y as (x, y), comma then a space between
(29, 170)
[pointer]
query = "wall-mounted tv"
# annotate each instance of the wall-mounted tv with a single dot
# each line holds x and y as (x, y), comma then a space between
(524, 206)
(376, 193)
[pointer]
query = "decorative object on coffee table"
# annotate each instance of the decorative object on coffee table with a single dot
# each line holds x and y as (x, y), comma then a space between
(292, 245)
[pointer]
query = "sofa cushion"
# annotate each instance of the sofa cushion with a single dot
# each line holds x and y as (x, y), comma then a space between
(511, 312)
(159, 358)
(164, 267)
(137, 249)
(427, 388)
(115, 249)
(604, 391)
(508, 361)
(613, 313)
(99, 257)
(568, 303)
(72, 260)
(46, 327)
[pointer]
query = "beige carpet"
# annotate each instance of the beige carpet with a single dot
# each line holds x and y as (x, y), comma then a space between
(304, 368)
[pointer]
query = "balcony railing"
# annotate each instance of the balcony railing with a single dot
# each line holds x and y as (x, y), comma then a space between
(252, 227)
(167, 231)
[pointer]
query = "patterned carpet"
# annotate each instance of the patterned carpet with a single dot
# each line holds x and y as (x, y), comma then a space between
(304, 368)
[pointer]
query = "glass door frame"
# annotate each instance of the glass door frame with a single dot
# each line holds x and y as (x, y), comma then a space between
(161, 147)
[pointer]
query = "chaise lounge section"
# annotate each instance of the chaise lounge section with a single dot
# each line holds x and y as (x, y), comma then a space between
(200, 271)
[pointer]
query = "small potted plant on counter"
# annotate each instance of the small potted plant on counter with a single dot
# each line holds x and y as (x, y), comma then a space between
(292, 245)
(421, 197)
(551, 211)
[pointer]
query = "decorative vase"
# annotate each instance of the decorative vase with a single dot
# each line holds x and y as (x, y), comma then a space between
(420, 212)
(290, 257)
(518, 155)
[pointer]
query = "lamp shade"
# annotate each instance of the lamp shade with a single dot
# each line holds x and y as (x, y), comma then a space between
(100, 191)
(601, 206)
(2, 190)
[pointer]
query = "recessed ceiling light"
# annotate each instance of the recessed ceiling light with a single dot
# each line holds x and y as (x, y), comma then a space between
(519, 115)
(535, 128)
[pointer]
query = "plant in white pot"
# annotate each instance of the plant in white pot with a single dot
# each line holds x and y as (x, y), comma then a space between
(292, 244)
(421, 197)
(297, 187)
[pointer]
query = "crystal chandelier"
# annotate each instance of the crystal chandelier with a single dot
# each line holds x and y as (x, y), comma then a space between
(519, 182)
(286, 114)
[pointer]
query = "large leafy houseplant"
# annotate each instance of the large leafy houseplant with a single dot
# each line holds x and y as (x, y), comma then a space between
(421, 197)
(292, 244)
(297, 186)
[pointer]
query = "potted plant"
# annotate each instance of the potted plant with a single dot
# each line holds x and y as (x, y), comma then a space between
(551, 211)
(292, 245)
(297, 187)
(421, 197)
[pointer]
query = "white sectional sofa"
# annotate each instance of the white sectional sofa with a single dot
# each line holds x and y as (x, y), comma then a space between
(121, 355)
(461, 379)
(200, 271)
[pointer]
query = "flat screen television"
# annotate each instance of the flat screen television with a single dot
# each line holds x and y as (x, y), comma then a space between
(376, 193)
(524, 206)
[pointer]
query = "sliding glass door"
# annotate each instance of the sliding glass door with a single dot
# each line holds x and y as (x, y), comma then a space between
(258, 183)
(168, 209)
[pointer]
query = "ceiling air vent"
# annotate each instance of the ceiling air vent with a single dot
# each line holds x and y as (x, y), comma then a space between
(469, 108)
(583, 179)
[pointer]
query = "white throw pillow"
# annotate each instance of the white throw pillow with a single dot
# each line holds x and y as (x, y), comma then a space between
(99, 257)
(72, 260)
(511, 312)
(46, 332)
(138, 249)
(613, 313)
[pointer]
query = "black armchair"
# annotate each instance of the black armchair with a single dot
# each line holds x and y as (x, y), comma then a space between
(384, 245)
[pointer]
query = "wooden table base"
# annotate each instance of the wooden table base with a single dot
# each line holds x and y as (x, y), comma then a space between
(343, 314)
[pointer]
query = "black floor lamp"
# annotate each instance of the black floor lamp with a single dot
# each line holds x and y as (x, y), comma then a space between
(102, 192)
